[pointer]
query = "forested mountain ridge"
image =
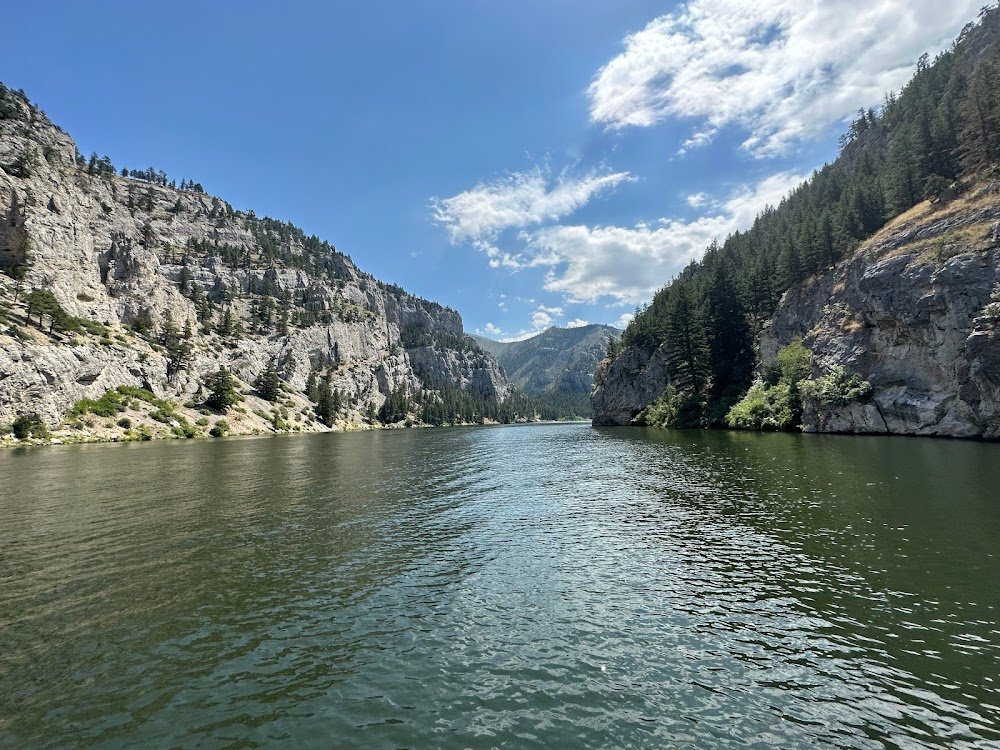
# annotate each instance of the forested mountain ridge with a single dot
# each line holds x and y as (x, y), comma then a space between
(815, 265)
(555, 367)
(121, 281)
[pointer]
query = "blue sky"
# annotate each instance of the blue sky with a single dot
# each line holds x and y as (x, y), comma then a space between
(527, 163)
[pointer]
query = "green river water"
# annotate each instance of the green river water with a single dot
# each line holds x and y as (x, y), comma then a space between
(553, 586)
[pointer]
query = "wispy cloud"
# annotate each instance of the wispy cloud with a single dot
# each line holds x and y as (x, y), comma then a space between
(628, 264)
(544, 316)
(541, 318)
(697, 200)
(577, 323)
(781, 69)
(623, 321)
(517, 201)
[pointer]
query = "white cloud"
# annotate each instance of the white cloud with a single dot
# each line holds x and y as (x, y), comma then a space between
(697, 200)
(698, 140)
(519, 200)
(490, 330)
(540, 320)
(520, 336)
(544, 316)
(578, 323)
(623, 321)
(627, 265)
(781, 69)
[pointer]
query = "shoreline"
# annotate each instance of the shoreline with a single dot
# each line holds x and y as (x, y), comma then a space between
(63, 437)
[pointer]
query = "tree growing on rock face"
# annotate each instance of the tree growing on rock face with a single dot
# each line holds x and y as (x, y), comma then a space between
(268, 385)
(222, 390)
(328, 402)
(177, 346)
(40, 302)
(18, 272)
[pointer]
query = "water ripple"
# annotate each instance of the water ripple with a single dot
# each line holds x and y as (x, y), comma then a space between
(546, 586)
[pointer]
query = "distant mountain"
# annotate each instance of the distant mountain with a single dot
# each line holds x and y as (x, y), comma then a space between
(556, 367)
(496, 348)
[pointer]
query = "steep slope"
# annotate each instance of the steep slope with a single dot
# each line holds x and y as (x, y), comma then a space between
(691, 354)
(496, 348)
(556, 367)
(913, 314)
(157, 287)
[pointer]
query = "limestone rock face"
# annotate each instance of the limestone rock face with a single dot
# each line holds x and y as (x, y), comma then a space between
(915, 314)
(128, 253)
(47, 380)
(626, 385)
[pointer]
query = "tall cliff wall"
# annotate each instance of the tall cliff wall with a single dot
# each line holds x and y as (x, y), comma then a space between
(914, 313)
(139, 257)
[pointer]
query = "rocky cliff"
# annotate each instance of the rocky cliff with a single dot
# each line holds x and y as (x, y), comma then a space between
(626, 384)
(137, 265)
(913, 312)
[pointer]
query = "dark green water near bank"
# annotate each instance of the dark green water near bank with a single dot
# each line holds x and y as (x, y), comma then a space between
(538, 586)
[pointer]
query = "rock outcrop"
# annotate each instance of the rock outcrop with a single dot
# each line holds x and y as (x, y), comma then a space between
(626, 384)
(140, 257)
(914, 312)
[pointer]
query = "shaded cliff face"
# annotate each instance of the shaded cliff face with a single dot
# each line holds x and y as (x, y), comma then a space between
(139, 257)
(915, 313)
(626, 384)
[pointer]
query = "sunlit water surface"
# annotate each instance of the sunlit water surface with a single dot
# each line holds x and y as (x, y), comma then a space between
(539, 586)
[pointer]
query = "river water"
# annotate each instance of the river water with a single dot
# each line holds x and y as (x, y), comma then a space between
(551, 586)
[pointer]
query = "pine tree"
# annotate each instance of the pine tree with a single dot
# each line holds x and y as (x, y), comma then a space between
(268, 385)
(730, 341)
(223, 392)
(687, 351)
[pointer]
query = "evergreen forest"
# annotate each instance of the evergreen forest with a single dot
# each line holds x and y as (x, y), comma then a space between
(940, 132)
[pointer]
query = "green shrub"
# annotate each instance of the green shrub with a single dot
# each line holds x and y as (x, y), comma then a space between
(661, 412)
(219, 429)
(29, 425)
(773, 402)
(108, 405)
(125, 423)
(836, 388)
(94, 328)
(164, 410)
(794, 363)
(763, 408)
(672, 409)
